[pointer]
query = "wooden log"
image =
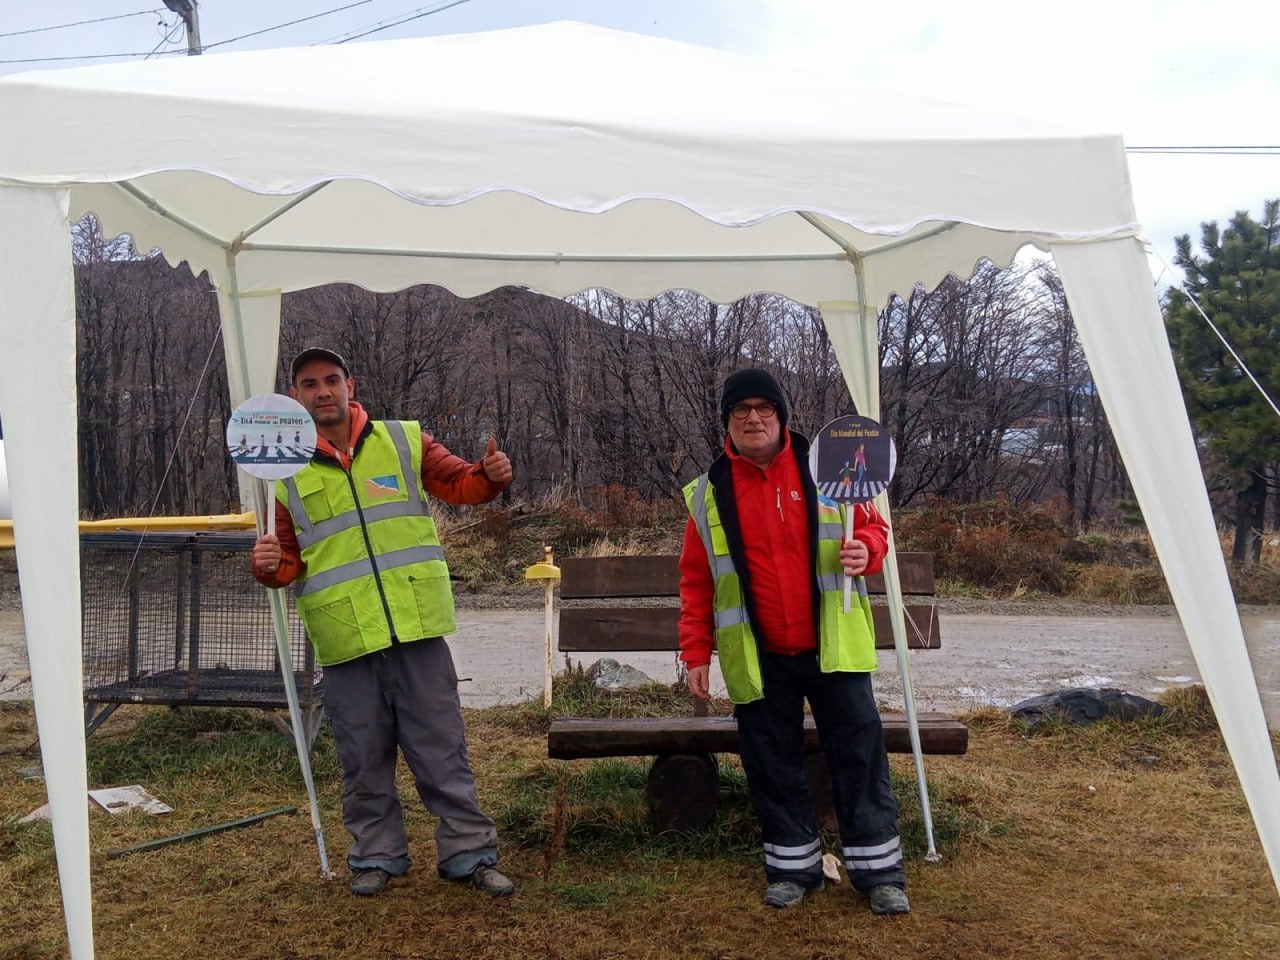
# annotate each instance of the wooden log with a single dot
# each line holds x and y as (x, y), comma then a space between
(682, 791)
(576, 738)
(628, 629)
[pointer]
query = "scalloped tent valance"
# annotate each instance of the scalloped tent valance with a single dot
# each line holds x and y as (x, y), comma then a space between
(562, 157)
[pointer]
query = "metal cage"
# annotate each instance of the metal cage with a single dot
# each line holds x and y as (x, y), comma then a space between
(176, 618)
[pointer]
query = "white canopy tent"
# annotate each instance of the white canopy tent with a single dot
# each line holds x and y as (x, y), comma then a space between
(561, 157)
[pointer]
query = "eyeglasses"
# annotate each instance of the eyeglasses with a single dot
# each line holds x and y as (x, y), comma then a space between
(740, 411)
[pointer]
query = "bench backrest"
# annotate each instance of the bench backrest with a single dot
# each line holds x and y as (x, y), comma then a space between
(605, 628)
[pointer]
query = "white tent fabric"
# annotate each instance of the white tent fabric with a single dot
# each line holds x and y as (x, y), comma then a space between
(561, 157)
(37, 325)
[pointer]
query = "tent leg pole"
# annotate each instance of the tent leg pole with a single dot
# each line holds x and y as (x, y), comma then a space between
(278, 614)
(300, 739)
(870, 376)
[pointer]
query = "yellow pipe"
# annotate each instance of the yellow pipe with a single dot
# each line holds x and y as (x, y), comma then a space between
(225, 521)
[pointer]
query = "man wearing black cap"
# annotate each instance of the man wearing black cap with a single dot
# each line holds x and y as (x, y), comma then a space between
(761, 580)
(356, 537)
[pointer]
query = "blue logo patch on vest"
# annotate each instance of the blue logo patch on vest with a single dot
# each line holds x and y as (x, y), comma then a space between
(387, 486)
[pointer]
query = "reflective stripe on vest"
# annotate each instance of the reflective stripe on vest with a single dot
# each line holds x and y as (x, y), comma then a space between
(364, 567)
(375, 570)
(718, 553)
(846, 642)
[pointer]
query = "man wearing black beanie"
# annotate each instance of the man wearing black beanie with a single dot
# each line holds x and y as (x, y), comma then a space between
(752, 382)
(761, 580)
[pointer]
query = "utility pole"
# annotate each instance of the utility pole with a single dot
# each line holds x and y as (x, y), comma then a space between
(186, 9)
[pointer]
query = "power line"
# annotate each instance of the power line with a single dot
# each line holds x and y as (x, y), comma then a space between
(376, 28)
(147, 55)
(280, 26)
(1234, 150)
(167, 38)
(83, 56)
(1186, 289)
(78, 23)
(1216, 146)
(416, 15)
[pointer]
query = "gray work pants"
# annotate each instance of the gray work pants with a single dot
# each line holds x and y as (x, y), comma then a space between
(406, 696)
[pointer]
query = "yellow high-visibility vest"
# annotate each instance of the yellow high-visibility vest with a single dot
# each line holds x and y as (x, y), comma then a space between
(375, 569)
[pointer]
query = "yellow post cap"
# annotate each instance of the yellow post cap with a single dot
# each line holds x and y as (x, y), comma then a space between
(546, 570)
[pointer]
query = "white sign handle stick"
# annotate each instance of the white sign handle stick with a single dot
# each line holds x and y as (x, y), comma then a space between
(259, 412)
(549, 601)
(848, 536)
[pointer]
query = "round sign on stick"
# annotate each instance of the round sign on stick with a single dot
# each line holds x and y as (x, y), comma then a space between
(271, 437)
(852, 460)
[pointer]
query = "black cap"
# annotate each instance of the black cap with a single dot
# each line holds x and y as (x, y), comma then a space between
(316, 353)
(752, 382)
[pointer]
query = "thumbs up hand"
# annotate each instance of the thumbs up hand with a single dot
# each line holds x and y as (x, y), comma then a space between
(496, 465)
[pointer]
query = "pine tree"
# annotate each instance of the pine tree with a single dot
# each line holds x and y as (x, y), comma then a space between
(1236, 279)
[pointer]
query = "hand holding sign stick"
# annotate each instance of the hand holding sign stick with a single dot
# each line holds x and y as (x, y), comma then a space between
(852, 460)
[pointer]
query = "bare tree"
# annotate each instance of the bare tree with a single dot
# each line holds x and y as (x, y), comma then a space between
(1078, 435)
(982, 380)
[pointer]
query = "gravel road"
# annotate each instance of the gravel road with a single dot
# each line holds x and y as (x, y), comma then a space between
(992, 653)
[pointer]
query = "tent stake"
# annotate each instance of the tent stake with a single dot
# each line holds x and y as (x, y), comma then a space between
(197, 834)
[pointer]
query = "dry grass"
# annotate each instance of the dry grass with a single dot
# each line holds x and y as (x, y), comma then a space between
(1116, 840)
(1107, 583)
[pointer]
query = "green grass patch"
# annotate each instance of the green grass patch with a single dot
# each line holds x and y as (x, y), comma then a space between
(166, 745)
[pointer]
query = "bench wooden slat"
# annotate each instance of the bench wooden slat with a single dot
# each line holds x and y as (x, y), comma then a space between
(624, 629)
(576, 738)
(596, 578)
(599, 578)
(915, 570)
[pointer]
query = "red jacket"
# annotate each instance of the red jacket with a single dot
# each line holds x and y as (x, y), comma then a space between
(444, 476)
(776, 541)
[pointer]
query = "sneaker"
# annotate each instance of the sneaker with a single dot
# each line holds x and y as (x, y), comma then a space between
(786, 893)
(492, 881)
(369, 882)
(886, 898)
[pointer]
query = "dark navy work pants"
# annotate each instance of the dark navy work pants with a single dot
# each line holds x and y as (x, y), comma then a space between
(771, 737)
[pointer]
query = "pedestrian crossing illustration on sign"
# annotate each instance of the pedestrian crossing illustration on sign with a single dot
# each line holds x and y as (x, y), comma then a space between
(852, 492)
(272, 453)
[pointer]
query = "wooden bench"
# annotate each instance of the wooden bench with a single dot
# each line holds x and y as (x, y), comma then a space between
(683, 786)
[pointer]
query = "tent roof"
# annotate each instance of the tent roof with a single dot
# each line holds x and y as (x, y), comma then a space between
(682, 143)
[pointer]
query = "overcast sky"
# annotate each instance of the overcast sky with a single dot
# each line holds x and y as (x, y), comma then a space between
(1159, 72)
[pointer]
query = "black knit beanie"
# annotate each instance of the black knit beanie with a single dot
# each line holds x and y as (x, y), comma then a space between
(752, 382)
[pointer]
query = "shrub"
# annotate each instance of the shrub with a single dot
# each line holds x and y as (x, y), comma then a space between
(994, 544)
